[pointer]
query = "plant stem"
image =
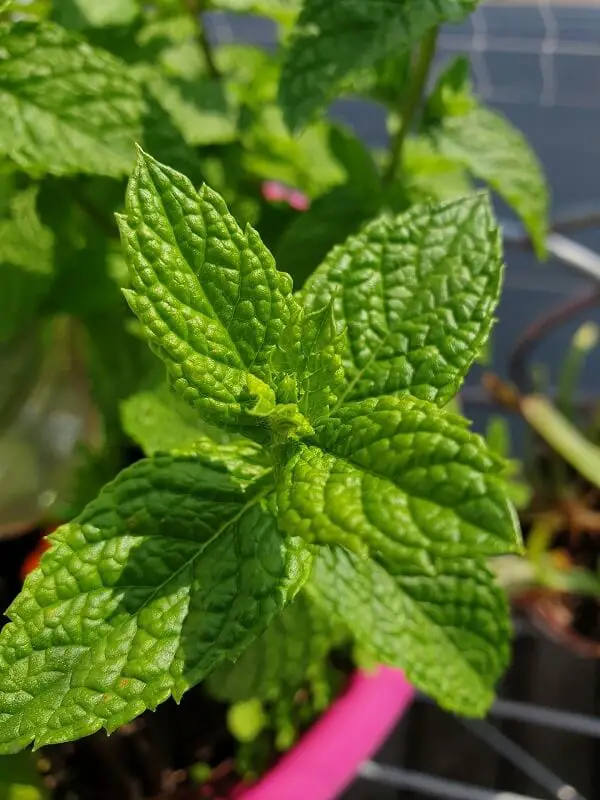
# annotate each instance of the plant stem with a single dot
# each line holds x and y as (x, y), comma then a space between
(411, 101)
(195, 9)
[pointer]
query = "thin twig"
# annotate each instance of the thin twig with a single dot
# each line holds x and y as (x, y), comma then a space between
(411, 101)
(195, 9)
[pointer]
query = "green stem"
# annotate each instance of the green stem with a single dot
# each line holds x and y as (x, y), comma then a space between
(195, 9)
(562, 436)
(411, 101)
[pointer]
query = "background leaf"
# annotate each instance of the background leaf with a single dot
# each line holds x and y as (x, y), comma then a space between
(66, 107)
(80, 14)
(331, 40)
(26, 263)
(169, 572)
(491, 148)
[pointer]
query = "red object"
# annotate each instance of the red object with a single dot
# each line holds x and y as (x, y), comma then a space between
(276, 192)
(33, 559)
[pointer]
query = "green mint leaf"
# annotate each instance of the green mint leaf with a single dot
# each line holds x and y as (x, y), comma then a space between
(416, 295)
(158, 422)
(208, 294)
(428, 176)
(333, 39)
(446, 625)
(312, 352)
(169, 572)
(288, 654)
(400, 479)
(26, 263)
(66, 107)
(81, 14)
(491, 148)
(200, 108)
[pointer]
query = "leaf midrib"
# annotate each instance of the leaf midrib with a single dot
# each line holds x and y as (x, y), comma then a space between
(134, 614)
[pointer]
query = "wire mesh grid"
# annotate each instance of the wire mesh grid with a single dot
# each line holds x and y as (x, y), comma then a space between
(552, 39)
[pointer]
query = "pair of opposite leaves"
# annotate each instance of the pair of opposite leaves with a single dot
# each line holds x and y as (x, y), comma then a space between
(373, 501)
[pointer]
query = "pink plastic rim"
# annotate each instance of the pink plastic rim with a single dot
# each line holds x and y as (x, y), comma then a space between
(327, 757)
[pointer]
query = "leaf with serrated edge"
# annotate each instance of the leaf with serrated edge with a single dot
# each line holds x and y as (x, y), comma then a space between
(332, 39)
(312, 350)
(416, 294)
(448, 629)
(401, 479)
(159, 422)
(490, 147)
(170, 571)
(208, 294)
(66, 107)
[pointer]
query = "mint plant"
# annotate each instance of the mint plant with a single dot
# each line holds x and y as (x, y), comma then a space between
(360, 492)
(303, 480)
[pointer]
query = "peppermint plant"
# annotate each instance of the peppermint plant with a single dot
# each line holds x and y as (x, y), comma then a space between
(81, 81)
(299, 453)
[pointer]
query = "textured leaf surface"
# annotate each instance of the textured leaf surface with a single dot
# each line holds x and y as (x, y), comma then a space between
(208, 294)
(447, 628)
(490, 147)
(313, 348)
(331, 40)
(159, 422)
(66, 107)
(26, 263)
(416, 294)
(280, 660)
(169, 572)
(79, 14)
(401, 479)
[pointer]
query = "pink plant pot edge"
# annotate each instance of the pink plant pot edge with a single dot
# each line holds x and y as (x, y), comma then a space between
(327, 757)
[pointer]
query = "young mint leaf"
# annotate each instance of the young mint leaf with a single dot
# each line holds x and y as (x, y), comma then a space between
(333, 39)
(208, 294)
(66, 107)
(312, 352)
(491, 148)
(416, 295)
(80, 14)
(169, 572)
(401, 479)
(446, 625)
(281, 660)
(159, 422)
(26, 263)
